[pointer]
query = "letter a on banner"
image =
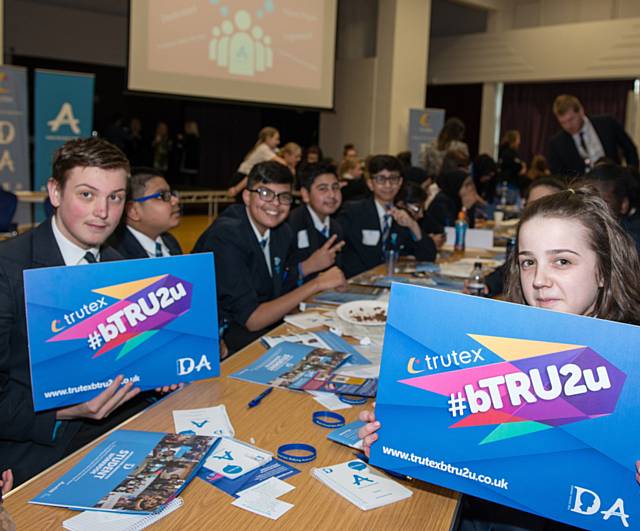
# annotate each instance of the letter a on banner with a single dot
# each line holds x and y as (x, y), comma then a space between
(63, 111)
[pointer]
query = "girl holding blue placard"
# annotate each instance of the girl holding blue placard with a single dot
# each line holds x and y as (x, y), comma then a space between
(571, 256)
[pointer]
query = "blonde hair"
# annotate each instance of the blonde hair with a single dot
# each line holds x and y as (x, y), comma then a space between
(291, 148)
(347, 165)
(565, 103)
(264, 134)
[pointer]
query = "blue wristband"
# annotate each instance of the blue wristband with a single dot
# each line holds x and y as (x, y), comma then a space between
(320, 418)
(353, 400)
(285, 455)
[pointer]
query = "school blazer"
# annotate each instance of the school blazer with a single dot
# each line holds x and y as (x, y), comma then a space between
(129, 247)
(242, 278)
(307, 239)
(363, 236)
(27, 445)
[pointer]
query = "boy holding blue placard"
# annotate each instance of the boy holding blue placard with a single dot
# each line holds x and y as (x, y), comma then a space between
(256, 276)
(88, 191)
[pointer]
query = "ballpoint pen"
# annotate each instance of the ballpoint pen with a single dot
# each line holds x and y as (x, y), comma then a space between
(259, 398)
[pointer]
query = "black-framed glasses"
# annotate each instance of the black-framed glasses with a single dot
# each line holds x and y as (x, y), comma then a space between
(166, 196)
(267, 195)
(394, 178)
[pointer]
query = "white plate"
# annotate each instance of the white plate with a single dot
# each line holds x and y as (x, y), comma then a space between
(363, 312)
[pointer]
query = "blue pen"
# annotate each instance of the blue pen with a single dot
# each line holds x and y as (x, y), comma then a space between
(259, 398)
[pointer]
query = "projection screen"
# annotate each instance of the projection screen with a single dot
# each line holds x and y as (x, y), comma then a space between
(266, 51)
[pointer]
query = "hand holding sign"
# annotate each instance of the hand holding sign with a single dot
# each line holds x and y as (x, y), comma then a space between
(102, 405)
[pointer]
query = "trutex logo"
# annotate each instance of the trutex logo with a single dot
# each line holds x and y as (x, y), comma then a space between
(588, 503)
(75, 316)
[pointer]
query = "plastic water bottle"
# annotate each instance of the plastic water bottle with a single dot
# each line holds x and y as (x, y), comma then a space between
(504, 192)
(461, 231)
(476, 284)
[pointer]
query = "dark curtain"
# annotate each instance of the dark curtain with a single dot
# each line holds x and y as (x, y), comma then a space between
(227, 130)
(460, 101)
(527, 107)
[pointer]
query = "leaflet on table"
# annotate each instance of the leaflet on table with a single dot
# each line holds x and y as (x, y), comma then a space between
(152, 320)
(329, 382)
(530, 408)
(287, 364)
(324, 339)
(348, 435)
(354, 293)
(232, 458)
(361, 485)
(129, 472)
(213, 421)
(273, 468)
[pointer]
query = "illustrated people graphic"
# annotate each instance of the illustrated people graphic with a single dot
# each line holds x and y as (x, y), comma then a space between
(240, 48)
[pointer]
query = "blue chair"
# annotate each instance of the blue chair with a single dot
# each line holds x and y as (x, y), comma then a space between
(8, 206)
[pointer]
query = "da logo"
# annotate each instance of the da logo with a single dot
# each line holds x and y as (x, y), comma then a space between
(588, 503)
(188, 365)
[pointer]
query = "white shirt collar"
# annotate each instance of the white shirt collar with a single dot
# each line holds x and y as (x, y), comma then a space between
(382, 212)
(147, 243)
(266, 250)
(72, 254)
(319, 225)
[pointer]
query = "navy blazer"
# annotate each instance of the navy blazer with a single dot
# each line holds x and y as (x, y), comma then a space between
(564, 157)
(242, 278)
(360, 222)
(27, 445)
(307, 239)
(125, 243)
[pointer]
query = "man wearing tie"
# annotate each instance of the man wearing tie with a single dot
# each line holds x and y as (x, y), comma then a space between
(152, 210)
(584, 140)
(374, 226)
(87, 188)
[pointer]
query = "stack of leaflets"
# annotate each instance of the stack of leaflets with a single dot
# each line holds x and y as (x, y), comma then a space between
(361, 485)
(348, 435)
(232, 458)
(305, 368)
(133, 472)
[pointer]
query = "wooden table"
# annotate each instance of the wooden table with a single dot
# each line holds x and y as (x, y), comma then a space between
(283, 417)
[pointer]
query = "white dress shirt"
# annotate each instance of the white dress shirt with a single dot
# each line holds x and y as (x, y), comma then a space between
(71, 253)
(321, 226)
(148, 244)
(261, 237)
(595, 150)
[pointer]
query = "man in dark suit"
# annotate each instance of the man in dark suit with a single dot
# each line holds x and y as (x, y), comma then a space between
(87, 190)
(256, 277)
(152, 210)
(584, 140)
(317, 238)
(374, 226)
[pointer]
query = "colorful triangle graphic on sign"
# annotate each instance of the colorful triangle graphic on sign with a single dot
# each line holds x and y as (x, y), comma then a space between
(134, 342)
(507, 431)
(122, 291)
(515, 349)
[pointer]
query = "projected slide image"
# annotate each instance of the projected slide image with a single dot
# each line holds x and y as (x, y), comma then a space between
(273, 42)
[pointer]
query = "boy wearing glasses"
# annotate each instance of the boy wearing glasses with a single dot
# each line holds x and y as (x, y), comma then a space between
(256, 273)
(152, 210)
(373, 226)
(317, 238)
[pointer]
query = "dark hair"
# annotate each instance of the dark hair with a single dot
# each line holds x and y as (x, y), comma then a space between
(90, 152)
(548, 181)
(405, 159)
(312, 149)
(617, 259)
(411, 193)
(450, 185)
(484, 165)
(454, 160)
(311, 172)
(140, 176)
(453, 129)
(378, 163)
(347, 147)
(269, 172)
